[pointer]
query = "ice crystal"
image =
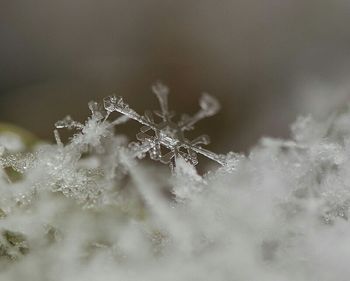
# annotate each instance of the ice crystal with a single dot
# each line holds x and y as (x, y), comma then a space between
(281, 213)
(167, 134)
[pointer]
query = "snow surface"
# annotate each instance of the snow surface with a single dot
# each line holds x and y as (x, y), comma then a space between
(89, 210)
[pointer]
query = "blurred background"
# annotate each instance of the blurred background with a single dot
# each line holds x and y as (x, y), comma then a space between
(266, 61)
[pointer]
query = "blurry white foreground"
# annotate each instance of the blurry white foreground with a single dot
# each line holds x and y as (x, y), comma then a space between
(88, 210)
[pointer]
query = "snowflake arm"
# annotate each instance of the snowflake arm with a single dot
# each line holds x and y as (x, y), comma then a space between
(162, 92)
(219, 158)
(209, 107)
(114, 103)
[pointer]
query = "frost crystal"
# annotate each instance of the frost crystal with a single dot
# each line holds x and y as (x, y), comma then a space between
(82, 205)
(155, 137)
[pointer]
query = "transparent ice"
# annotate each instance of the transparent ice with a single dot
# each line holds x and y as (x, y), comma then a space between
(168, 134)
(88, 204)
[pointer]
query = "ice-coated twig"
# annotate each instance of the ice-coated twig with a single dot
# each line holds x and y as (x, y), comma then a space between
(165, 141)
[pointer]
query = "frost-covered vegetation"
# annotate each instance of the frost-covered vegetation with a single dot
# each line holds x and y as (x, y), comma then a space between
(90, 209)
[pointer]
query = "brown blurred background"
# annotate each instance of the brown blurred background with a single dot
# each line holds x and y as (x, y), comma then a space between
(266, 61)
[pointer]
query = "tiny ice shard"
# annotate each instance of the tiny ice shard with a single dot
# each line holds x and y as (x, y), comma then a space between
(68, 123)
(168, 135)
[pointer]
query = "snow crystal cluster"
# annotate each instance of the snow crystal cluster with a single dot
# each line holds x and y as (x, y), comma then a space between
(91, 209)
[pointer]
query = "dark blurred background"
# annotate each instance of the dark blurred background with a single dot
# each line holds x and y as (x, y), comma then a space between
(266, 61)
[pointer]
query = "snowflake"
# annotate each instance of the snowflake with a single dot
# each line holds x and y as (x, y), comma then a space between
(167, 135)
